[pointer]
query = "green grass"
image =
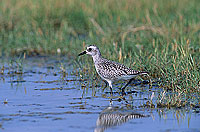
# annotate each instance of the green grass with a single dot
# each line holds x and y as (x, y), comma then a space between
(159, 36)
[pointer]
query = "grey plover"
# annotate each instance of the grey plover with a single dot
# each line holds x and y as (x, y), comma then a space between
(111, 71)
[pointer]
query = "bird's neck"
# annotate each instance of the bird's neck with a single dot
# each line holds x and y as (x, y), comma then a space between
(97, 58)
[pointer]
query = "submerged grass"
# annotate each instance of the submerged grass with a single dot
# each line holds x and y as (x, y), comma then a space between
(159, 36)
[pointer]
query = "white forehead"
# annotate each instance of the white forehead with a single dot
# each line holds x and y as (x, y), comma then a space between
(91, 46)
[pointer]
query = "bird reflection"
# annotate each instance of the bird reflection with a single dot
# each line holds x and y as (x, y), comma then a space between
(114, 116)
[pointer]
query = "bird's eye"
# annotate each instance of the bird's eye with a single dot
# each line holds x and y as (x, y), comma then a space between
(90, 49)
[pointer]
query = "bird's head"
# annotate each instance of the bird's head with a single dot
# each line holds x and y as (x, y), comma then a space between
(91, 50)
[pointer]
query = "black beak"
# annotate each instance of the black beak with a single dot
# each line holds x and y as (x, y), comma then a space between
(82, 53)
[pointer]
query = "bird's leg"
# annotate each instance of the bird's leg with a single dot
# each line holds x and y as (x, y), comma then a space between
(106, 84)
(110, 85)
(123, 93)
(111, 92)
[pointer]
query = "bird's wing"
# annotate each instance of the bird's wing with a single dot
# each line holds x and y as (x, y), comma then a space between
(110, 69)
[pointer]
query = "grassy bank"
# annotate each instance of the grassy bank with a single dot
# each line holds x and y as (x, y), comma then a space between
(159, 36)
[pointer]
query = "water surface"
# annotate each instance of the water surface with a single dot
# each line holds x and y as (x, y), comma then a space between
(36, 95)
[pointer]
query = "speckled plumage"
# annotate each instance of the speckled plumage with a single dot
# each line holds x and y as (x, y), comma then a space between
(108, 70)
(114, 71)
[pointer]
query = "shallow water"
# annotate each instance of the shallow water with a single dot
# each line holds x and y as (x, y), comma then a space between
(39, 97)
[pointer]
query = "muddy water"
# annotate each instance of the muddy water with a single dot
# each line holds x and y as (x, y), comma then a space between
(36, 95)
